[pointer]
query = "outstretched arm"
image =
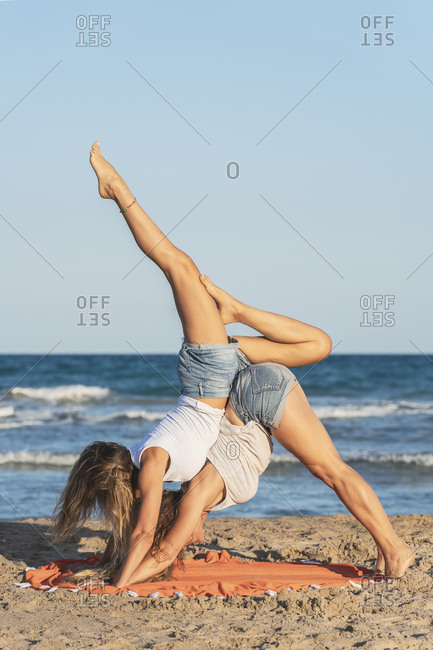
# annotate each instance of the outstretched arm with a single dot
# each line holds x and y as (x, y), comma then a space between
(150, 479)
(285, 340)
(205, 490)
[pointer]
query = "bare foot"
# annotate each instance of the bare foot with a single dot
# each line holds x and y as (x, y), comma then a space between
(398, 561)
(108, 179)
(228, 307)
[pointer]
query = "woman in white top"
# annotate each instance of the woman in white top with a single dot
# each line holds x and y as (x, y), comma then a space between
(208, 363)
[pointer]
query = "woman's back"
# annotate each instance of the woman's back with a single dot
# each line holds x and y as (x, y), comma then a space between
(186, 433)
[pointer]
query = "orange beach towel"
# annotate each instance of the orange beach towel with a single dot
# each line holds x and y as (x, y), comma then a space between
(216, 574)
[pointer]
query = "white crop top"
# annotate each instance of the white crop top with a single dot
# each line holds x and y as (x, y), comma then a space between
(186, 433)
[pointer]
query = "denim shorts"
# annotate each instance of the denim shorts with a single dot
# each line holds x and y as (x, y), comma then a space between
(259, 393)
(207, 370)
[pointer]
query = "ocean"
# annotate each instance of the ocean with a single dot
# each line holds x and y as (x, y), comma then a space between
(378, 409)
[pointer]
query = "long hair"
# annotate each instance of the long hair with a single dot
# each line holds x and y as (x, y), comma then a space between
(104, 481)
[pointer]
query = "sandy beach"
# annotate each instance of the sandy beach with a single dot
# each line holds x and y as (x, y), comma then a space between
(391, 615)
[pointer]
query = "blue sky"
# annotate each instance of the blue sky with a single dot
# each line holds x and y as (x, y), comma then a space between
(332, 205)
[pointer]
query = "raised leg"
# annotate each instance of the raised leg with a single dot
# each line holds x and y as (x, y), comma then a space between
(285, 340)
(200, 318)
(302, 433)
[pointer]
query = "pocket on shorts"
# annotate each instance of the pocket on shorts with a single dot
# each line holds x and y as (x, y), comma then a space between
(266, 377)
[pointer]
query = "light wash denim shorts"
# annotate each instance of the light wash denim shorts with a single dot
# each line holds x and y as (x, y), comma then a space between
(207, 370)
(259, 393)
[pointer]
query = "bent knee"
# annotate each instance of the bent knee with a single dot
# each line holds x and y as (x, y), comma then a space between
(325, 346)
(179, 264)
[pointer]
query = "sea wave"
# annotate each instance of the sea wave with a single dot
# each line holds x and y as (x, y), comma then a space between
(36, 459)
(76, 393)
(31, 418)
(420, 459)
(373, 409)
(5, 426)
(148, 416)
(7, 412)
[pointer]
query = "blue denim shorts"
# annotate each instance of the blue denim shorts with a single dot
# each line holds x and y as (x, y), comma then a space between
(259, 393)
(207, 369)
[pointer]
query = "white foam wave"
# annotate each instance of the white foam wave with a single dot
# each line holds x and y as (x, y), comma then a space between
(276, 459)
(7, 411)
(421, 459)
(74, 393)
(31, 418)
(419, 406)
(426, 460)
(148, 416)
(372, 410)
(25, 457)
(19, 425)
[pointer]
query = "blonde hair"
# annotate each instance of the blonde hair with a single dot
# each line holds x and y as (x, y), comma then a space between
(104, 482)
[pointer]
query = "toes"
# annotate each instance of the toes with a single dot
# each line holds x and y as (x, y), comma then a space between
(209, 285)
